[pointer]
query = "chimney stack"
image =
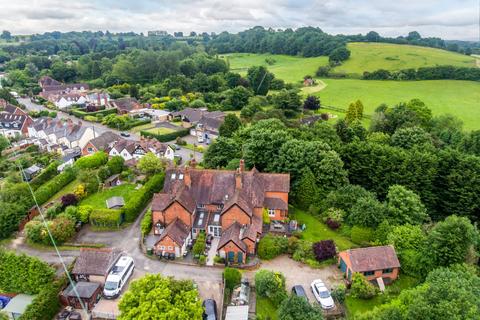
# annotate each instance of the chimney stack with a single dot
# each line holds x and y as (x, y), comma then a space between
(242, 166)
(186, 177)
(238, 179)
(193, 163)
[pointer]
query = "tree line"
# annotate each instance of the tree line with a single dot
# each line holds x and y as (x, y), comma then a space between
(425, 73)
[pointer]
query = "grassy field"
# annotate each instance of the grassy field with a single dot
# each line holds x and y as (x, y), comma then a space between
(317, 230)
(289, 68)
(98, 200)
(373, 56)
(460, 98)
(355, 305)
(266, 309)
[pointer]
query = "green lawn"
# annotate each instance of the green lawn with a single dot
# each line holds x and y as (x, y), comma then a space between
(266, 309)
(460, 98)
(370, 56)
(69, 188)
(289, 68)
(97, 200)
(355, 305)
(160, 130)
(317, 230)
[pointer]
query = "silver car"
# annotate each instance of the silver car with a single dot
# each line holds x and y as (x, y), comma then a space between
(322, 294)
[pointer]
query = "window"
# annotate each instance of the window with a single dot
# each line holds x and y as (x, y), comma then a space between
(201, 206)
(170, 248)
(90, 150)
(271, 212)
(369, 273)
(180, 176)
(162, 247)
(388, 270)
(174, 176)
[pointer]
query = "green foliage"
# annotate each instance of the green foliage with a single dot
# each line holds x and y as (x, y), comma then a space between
(146, 224)
(167, 136)
(362, 235)
(450, 241)
(366, 212)
(49, 189)
(288, 100)
(339, 293)
(48, 173)
(306, 189)
(84, 213)
(221, 152)
(411, 137)
(232, 278)
(338, 55)
(142, 196)
(155, 295)
(116, 164)
(265, 216)
(106, 217)
(230, 125)
(354, 112)
(448, 293)
(404, 206)
(271, 246)
(304, 252)
(23, 274)
(409, 243)
(200, 244)
(92, 161)
(361, 288)
(150, 164)
(10, 216)
(259, 79)
(46, 303)
(298, 308)
(62, 228)
(268, 283)
(83, 114)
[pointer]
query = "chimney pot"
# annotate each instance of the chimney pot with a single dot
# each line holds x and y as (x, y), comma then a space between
(242, 166)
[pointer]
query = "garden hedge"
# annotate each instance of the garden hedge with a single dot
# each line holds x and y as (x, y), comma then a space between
(49, 189)
(167, 136)
(23, 274)
(142, 196)
(92, 161)
(46, 303)
(48, 173)
(106, 218)
(82, 114)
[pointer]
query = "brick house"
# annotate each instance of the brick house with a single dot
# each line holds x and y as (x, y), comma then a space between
(103, 142)
(174, 239)
(225, 204)
(373, 262)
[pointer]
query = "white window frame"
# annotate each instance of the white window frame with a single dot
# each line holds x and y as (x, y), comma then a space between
(271, 212)
(169, 248)
(162, 247)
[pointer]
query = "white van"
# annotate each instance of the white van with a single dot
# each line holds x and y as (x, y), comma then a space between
(118, 277)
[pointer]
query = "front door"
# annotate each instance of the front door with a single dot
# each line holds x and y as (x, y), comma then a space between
(240, 257)
(231, 256)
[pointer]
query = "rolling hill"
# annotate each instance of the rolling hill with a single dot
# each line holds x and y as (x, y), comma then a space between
(371, 56)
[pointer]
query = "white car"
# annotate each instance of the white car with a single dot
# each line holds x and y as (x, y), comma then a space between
(322, 294)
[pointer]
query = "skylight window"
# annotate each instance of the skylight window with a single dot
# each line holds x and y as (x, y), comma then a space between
(174, 176)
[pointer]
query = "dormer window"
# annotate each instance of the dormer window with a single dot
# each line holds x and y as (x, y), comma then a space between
(180, 176)
(174, 176)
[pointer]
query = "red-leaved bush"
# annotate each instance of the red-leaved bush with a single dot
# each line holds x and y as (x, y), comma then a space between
(69, 200)
(324, 250)
(332, 224)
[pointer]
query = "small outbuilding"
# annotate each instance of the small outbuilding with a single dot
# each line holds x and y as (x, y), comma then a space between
(94, 264)
(113, 181)
(237, 313)
(17, 306)
(115, 202)
(88, 292)
(31, 172)
(375, 263)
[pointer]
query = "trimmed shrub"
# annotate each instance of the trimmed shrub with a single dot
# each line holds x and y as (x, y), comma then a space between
(232, 278)
(167, 136)
(304, 251)
(272, 246)
(268, 283)
(48, 173)
(62, 229)
(362, 235)
(200, 244)
(46, 304)
(92, 161)
(69, 200)
(82, 114)
(146, 224)
(106, 218)
(142, 196)
(361, 288)
(332, 224)
(324, 250)
(23, 274)
(84, 213)
(339, 293)
(72, 211)
(56, 184)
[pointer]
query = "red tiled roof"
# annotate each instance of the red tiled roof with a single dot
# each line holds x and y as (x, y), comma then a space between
(177, 231)
(373, 258)
(232, 233)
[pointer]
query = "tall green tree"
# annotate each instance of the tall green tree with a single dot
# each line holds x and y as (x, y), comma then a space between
(354, 111)
(404, 206)
(306, 190)
(154, 295)
(259, 79)
(230, 125)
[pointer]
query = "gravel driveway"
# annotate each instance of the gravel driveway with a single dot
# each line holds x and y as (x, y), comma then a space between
(299, 273)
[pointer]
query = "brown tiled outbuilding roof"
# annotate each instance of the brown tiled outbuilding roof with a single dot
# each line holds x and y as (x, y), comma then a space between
(177, 231)
(275, 203)
(373, 258)
(95, 261)
(232, 233)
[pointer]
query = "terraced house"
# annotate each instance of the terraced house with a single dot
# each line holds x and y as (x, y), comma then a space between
(225, 204)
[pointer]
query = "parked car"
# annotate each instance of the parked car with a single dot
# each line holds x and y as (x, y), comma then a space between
(209, 309)
(118, 277)
(125, 134)
(299, 291)
(201, 139)
(175, 147)
(322, 294)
